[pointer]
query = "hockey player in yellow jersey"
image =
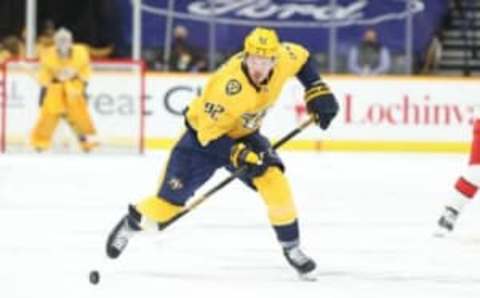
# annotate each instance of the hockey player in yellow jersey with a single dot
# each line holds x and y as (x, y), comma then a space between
(64, 73)
(223, 131)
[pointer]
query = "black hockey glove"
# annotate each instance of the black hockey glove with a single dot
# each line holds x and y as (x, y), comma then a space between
(323, 108)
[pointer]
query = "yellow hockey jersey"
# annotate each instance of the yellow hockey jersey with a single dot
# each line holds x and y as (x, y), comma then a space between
(51, 64)
(231, 105)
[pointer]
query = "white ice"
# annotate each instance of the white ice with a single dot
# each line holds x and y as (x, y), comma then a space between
(367, 219)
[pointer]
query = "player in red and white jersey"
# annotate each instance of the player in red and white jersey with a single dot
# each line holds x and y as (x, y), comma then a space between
(465, 188)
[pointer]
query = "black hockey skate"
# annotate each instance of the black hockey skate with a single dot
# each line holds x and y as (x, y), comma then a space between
(304, 265)
(120, 235)
(446, 223)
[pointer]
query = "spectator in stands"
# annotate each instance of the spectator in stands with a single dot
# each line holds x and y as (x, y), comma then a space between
(45, 37)
(369, 57)
(3, 54)
(433, 55)
(12, 48)
(184, 57)
(153, 58)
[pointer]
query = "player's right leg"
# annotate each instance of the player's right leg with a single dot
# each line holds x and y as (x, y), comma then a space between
(465, 189)
(272, 185)
(187, 169)
(275, 190)
(463, 192)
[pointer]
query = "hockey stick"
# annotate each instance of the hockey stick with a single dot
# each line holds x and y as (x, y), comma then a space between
(94, 275)
(232, 177)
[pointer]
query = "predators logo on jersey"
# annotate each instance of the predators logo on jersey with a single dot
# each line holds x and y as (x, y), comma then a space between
(233, 87)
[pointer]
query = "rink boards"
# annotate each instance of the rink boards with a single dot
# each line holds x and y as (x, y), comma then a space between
(421, 114)
(377, 114)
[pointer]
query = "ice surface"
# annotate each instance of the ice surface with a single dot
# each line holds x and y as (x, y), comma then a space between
(367, 219)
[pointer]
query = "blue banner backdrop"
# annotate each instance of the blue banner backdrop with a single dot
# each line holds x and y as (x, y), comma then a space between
(303, 21)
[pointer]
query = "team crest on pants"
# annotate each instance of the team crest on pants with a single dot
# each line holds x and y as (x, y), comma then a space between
(175, 183)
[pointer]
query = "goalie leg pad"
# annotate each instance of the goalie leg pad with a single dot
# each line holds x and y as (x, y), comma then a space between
(51, 108)
(79, 117)
(42, 133)
(53, 100)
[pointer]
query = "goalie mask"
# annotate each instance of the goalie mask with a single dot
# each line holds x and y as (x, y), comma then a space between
(63, 41)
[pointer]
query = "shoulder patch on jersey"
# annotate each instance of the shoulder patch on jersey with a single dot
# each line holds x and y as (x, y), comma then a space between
(233, 87)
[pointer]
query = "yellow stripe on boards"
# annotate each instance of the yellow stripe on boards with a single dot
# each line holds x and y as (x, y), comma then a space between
(159, 143)
(348, 146)
(395, 146)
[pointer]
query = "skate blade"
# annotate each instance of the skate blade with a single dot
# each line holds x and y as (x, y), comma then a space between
(310, 277)
(441, 233)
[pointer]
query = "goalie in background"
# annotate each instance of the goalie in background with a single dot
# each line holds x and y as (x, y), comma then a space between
(64, 72)
(223, 130)
(465, 187)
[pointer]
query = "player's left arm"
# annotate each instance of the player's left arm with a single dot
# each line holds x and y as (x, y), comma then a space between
(321, 102)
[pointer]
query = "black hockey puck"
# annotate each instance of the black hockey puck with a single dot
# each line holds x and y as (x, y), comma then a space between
(94, 277)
